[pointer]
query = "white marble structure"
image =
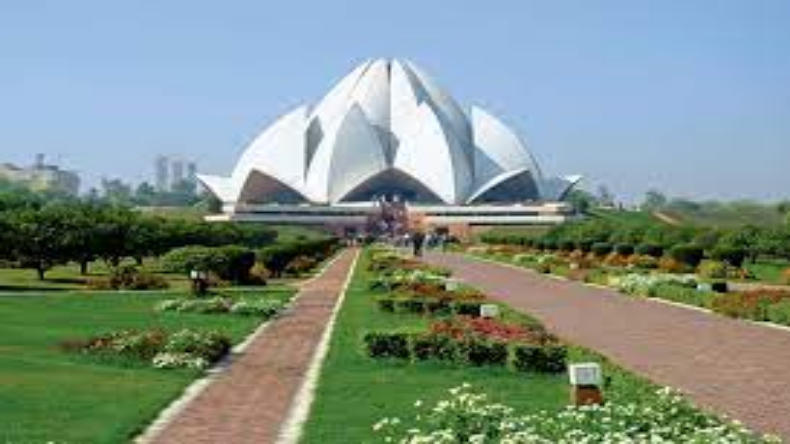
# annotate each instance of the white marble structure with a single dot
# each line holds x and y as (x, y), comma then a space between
(387, 129)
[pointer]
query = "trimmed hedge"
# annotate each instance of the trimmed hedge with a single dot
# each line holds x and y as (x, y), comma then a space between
(417, 347)
(732, 256)
(687, 254)
(428, 306)
(387, 345)
(601, 248)
(539, 359)
(276, 258)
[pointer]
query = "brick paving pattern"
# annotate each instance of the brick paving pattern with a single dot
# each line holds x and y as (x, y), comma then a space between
(251, 400)
(728, 366)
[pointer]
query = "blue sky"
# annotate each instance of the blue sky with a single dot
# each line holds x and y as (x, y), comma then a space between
(690, 97)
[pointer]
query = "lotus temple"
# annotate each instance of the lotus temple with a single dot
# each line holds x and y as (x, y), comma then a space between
(388, 134)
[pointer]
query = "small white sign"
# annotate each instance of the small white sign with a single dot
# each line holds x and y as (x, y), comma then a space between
(489, 311)
(451, 285)
(585, 374)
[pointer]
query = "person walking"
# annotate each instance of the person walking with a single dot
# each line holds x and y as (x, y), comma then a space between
(417, 240)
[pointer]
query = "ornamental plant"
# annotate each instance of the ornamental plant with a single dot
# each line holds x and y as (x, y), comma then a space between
(639, 284)
(184, 348)
(263, 307)
(469, 416)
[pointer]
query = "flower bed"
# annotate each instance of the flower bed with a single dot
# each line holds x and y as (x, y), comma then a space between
(248, 306)
(757, 305)
(474, 342)
(469, 416)
(185, 348)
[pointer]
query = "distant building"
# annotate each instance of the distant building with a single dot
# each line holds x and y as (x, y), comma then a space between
(162, 172)
(42, 177)
(172, 170)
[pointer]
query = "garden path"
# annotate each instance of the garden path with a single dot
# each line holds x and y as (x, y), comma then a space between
(251, 401)
(731, 367)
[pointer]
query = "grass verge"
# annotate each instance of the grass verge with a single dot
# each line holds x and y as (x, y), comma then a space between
(47, 395)
(354, 391)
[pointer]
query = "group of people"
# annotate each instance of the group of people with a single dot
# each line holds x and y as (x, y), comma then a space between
(418, 241)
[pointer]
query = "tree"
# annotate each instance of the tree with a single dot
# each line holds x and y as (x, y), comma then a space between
(38, 240)
(605, 197)
(116, 191)
(145, 194)
(581, 201)
(654, 200)
(746, 238)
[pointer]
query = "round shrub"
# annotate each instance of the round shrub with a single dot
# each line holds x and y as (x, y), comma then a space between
(567, 245)
(652, 250)
(601, 248)
(585, 246)
(624, 249)
(732, 256)
(687, 254)
(387, 345)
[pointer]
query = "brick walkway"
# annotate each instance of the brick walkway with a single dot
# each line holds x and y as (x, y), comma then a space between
(732, 367)
(251, 400)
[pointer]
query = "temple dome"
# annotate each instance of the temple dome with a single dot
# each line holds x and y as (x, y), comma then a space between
(387, 129)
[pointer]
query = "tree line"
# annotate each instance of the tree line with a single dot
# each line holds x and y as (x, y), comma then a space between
(748, 242)
(40, 232)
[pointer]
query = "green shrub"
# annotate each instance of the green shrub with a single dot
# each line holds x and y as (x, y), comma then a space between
(682, 294)
(779, 313)
(387, 345)
(300, 265)
(277, 257)
(539, 359)
(427, 347)
(230, 262)
(477, 352)
(437, 307)
(624, 249)
(386, 304)
(652, 250)
(730, 255)
(409, 305)
(713, 269)
(601, 248)
(687, 254)
(467, 308)
(129, 277)
(567, 245)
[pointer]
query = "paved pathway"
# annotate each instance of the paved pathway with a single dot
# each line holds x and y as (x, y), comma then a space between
(251, 400)
(729, 366)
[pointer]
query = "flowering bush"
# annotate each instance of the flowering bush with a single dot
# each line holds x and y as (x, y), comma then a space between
(185, 348)
(467, 416)
(752, 305)
(179, 360)
(639, 284)
(405, 278)
(207, 345)
(670, 265)
(462, 327)
(265, 308)
(249, 307)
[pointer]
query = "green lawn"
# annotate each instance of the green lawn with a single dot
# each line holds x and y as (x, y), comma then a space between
(49, 395)
(68, 277)
(770, 272)
(355, 392)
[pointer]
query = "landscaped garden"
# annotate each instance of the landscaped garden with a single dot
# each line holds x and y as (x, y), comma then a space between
(98, 327)
(80, 367)
(741, 273)
(418, 357)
